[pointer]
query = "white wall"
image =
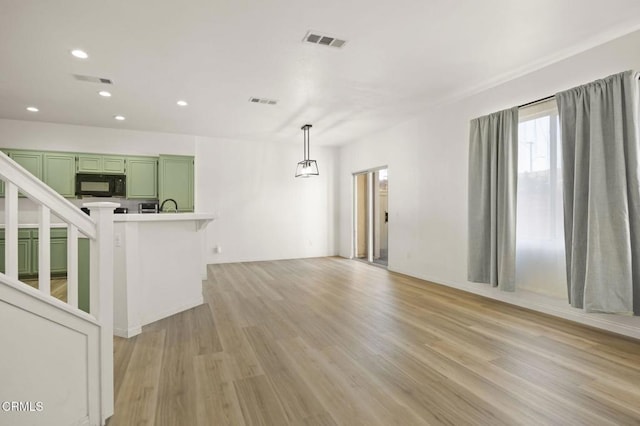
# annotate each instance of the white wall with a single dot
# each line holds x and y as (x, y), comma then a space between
(263, 211)
(64, 137)
(427, 158)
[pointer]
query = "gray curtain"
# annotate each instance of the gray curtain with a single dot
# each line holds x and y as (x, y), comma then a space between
(493, 173)
(598, 123)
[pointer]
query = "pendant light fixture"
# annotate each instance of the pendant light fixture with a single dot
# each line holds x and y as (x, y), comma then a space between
(306, 167)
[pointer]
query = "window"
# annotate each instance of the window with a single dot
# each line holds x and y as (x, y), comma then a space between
(540, 261)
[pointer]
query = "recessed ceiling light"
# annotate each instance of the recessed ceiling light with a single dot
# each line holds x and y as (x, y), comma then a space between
(119, 117)
(80, 54)
(182, 103)
(32, 109)
(104, 94)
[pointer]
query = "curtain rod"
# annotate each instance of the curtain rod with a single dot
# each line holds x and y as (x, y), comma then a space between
(537, 101)
(553, 96)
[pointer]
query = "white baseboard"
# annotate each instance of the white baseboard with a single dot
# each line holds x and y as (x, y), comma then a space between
(82, 422)
(137, 329)
(156, 316)
(127, 332)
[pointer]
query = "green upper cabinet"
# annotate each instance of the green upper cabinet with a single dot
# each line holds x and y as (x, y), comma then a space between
(113, 165)
(60, 172)
(142, 177)
(148, 178)
(89, 163)
(30, 160)
(175, 181)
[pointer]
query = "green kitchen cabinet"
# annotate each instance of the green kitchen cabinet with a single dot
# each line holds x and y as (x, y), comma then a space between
(57, 251)
(175, 181)
(142, 178)
(89, 163)
(113, 165)
(24, 252)
(28, 251)
(83, 273)
(60, 172)
(30, 160)
(107, 164)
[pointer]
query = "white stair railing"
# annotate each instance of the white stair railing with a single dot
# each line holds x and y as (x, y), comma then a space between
(98, 229)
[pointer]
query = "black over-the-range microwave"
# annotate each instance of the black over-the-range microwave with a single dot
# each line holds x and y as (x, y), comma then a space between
(101, 185)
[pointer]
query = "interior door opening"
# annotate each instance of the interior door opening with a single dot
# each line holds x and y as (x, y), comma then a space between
(371, 216)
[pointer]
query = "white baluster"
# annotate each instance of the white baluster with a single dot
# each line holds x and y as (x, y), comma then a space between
(72, 266)
(11, 230)
(44, 250)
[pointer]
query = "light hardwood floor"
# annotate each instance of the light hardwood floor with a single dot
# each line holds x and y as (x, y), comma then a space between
(58, 286)
(330, 341)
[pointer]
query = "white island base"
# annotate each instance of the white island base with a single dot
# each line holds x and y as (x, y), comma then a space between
(158, 267)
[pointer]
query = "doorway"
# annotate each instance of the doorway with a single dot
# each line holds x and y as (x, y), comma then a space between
(371, 216)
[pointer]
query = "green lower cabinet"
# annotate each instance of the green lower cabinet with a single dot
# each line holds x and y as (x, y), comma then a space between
(28, 258)
(24, 257)
(58, 255)
(83, 274)
(28, 252)
(24, 253)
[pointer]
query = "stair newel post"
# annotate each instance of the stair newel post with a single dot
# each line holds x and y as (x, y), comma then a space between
(101, 296)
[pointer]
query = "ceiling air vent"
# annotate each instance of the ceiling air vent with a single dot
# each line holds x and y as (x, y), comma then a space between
(324, 39)
(92, 79)
(262, 101)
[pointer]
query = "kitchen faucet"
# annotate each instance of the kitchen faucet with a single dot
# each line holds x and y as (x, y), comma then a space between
(175, 203)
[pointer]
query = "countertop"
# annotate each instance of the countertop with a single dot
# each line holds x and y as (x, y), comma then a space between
(202, 218)
(162, 217)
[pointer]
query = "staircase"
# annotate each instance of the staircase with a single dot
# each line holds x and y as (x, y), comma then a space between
(56, 361)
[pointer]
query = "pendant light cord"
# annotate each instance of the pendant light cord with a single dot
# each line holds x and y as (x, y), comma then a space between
(305, 132)
(306, 144)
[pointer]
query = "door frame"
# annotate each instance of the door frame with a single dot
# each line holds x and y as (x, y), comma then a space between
(370, 213)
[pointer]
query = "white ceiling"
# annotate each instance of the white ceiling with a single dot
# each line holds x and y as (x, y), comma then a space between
(401, 56)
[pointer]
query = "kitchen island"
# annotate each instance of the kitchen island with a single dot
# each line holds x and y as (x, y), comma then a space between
(158, 267)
